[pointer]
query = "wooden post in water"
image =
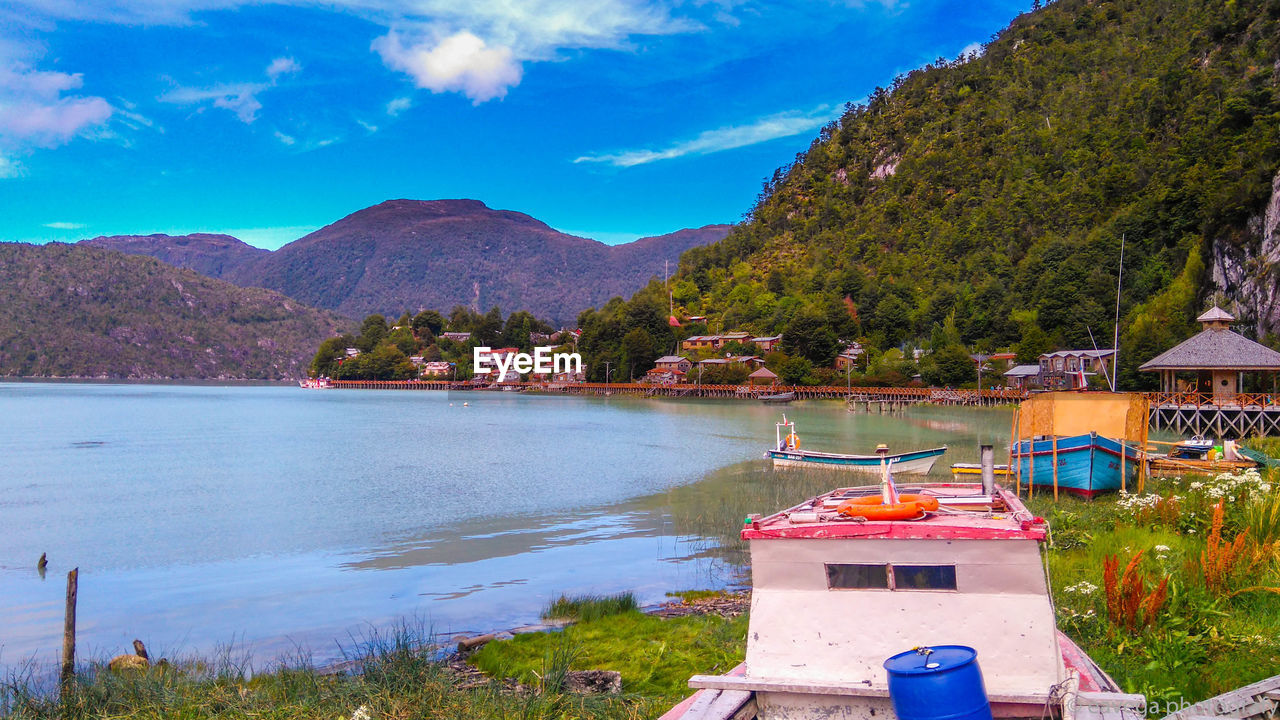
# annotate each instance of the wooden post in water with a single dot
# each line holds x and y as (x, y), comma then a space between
(69, 632)
(1055, 468)
(1014, 442)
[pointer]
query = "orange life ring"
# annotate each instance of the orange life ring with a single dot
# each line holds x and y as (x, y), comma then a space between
(873, 508)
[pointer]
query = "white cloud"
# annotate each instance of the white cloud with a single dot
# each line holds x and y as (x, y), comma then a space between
(35, 112)
(283, 66)
(239, 98)
(972, 50)
(479, 47)
(398, 105)
(285, 139)
(65, 226)
(9, 168)
(771, 127)
(367, 126)
(476, 47)
(461, 62)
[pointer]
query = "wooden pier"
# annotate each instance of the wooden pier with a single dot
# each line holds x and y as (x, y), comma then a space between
(1236, 416)
(872, 399)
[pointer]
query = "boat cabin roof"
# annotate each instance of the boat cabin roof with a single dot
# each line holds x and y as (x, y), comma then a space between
(965, 513)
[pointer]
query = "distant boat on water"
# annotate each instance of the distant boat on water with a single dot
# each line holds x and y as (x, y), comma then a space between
(320, 383)
(778, 398)
(787, 452)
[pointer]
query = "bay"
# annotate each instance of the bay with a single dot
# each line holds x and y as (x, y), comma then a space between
(261, 522)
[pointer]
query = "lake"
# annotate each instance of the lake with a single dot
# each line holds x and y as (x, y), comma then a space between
(272, 521)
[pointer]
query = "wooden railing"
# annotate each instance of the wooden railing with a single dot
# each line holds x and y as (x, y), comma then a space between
(1210, 400)
(861, 394)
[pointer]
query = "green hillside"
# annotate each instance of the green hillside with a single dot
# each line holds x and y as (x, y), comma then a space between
(78, 311)
(982, 201)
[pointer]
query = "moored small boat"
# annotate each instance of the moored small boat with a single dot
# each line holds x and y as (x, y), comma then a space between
(1084, 465)
(970, 471)
(787, 453)
(1081, 443)
(320, 383)
(840, 598)
(778, 398)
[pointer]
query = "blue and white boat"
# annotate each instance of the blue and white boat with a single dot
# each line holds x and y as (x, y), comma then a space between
(787, 452)
(1086, 464)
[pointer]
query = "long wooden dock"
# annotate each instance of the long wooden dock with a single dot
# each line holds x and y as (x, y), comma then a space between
(870, 398)
(1242, 415)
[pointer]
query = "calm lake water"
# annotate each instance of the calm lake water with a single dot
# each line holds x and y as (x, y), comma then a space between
(277, 520)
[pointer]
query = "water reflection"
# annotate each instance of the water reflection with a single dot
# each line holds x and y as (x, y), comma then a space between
(285, 519)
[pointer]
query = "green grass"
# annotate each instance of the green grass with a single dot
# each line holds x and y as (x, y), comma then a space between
(1201, 645)
(398, 677)
(655, 656)
(589, 607)
(691, 596)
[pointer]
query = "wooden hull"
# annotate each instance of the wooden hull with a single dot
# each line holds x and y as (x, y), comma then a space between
(778, 399)
(1087, 465)
(918, 463)
(1160, 465)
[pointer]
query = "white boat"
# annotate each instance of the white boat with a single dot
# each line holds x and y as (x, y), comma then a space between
(320, 383)
(841, 592)
(787, 453)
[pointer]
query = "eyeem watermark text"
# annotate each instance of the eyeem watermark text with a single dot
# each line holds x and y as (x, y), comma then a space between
(484, 362)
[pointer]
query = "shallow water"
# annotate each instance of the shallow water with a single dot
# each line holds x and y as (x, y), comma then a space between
(281, 520)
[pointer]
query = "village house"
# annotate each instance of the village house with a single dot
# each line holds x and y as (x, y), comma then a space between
(751, 361)
(456, 336)
(1070, 369)
(664, 376)
(437, 368)
(673, 362)
(850, 356)
(694, 343)
(767, 344)
(352, 352)
(1022, 377)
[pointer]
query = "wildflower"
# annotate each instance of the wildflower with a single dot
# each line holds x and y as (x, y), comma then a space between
(1161, 548)
(1083, 588)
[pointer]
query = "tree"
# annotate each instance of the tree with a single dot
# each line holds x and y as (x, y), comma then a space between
(325, 362)
(638, 351)
(1035, 342)
(951, 366)
(795, 371)
(428, 321)
(372, 331)
(809, 337)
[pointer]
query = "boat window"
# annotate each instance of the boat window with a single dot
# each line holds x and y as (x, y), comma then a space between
(857, 577)
(924, 577)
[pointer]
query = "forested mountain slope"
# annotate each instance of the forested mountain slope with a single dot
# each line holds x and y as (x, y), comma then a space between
(985, 199)
(80, 311)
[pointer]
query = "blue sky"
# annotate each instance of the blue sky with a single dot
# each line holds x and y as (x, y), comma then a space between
(610, 119)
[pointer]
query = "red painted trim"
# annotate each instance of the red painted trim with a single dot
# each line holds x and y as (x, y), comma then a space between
(890, 530)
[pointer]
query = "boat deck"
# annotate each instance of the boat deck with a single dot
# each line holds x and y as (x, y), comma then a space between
(964, 513)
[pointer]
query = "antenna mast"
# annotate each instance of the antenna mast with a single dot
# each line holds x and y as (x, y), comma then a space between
(1115, 344)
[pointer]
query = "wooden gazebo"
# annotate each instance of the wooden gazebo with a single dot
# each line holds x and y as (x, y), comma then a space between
(763, 376)
(1217, 356)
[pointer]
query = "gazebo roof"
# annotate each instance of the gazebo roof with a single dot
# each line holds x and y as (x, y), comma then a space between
(763, 372)
(1215, 350)
(1216, 314)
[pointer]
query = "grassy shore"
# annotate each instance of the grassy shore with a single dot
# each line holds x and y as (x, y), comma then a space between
(1190, 606)
(1175, 592)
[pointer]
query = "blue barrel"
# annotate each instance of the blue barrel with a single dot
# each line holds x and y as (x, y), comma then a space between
(939, 683)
